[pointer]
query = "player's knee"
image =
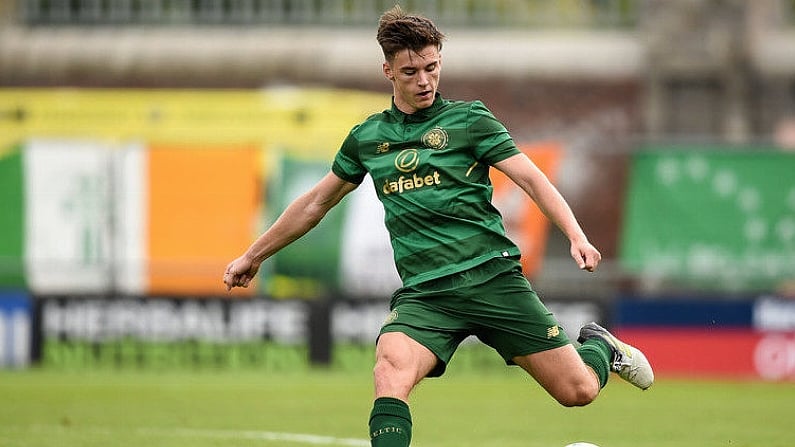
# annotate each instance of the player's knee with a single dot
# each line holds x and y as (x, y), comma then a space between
(577, 395)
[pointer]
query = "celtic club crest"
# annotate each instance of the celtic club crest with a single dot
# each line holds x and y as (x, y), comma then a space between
(435, 138)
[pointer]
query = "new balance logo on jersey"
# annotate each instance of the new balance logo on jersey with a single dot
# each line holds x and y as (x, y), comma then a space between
(382, 148)
(552, 332)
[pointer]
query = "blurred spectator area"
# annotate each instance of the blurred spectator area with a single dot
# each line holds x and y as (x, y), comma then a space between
(207, 43)
(327, 12)
(248, 43)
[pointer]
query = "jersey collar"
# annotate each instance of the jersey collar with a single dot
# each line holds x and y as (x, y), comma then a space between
(419, 115)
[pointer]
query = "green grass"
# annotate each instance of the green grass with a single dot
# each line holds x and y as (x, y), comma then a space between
(109, 408)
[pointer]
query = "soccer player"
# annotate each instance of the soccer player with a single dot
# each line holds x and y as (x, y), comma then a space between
(429, 158)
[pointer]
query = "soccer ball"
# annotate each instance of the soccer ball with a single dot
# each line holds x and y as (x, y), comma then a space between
(582, 444)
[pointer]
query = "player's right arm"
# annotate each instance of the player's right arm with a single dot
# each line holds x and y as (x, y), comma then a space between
(303, 214)
(529, 177)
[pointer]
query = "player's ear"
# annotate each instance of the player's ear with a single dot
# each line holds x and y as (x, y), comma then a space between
(388, 71)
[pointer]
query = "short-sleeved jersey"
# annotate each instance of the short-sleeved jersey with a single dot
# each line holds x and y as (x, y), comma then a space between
(431, 172)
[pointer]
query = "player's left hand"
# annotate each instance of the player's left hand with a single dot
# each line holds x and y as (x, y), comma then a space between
(585, 255)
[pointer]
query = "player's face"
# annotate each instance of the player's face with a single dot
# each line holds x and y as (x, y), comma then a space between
(415, 77)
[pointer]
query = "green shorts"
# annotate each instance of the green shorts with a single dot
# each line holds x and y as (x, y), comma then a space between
(492, 301)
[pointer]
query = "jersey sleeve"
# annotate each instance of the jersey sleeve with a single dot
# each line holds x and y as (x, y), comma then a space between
(489, 138)
(347, 164)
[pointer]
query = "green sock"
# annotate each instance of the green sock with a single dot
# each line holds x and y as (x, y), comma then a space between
(390, 423)
(597, 354)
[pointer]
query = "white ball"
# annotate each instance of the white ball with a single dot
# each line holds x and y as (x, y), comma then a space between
(582, 444)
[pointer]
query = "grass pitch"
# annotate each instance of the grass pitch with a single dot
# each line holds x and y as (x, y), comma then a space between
(45, 408)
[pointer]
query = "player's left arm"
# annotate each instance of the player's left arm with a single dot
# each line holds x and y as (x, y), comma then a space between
(522, 171)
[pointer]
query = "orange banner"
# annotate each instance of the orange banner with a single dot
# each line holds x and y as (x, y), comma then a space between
(525, 224)
(203, 203)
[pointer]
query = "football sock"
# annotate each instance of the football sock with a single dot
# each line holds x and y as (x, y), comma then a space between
(597, 354)
(390, 423)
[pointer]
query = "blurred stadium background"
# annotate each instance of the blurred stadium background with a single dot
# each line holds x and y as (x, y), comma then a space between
(144, 143)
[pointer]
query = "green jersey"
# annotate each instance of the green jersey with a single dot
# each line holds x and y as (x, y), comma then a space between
(431, 172)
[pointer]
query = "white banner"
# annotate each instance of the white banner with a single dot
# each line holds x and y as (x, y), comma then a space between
(367, 265)
(84, 216)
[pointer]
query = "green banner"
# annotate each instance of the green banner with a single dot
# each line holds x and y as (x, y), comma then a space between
(714, 219)
(12, 220)
(309, 267)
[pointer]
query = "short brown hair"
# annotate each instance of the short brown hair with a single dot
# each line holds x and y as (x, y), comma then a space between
(398, 31)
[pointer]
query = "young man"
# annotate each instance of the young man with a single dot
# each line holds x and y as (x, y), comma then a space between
(429, 159)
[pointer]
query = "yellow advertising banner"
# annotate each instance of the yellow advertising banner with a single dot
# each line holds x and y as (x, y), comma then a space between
(313, 121)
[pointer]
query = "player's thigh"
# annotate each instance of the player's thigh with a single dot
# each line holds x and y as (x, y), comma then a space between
(563, 374)
(401, 363)
(427, 319)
